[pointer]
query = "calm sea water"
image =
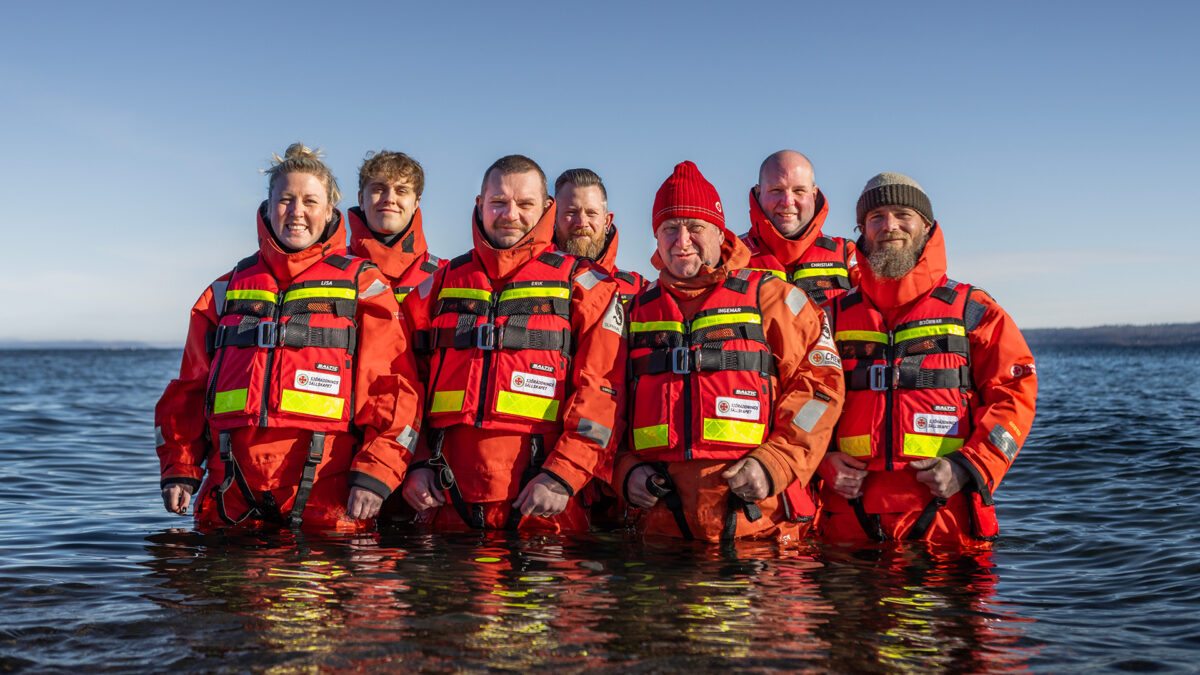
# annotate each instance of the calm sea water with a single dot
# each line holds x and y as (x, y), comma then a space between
(1097, 568)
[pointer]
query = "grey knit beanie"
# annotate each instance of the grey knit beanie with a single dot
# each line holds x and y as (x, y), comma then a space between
(893, 189)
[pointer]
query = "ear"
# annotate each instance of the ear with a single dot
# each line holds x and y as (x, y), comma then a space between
(479, 202)
(757, 191)
(608, 218)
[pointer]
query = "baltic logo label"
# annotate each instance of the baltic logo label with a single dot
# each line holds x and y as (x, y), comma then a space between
(321, 383)
(738, 408)
(529, 383)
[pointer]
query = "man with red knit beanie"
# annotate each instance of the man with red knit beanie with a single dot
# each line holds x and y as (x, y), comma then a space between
(736, 383)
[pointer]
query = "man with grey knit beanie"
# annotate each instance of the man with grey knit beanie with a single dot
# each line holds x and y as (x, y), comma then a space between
(940, 386)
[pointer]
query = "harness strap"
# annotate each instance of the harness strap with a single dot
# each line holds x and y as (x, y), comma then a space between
(537, 456)
(664, 488)
(295, 333)
(925, 520)
(869, 522)
(909, 377)
(316, 450)
(471, 514)
(734, 504)
(697, 360)
(234, 474)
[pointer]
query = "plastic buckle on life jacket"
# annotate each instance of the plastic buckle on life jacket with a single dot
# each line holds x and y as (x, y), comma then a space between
(878, 376)
(679, 360)
(485, 337)
(266, 334)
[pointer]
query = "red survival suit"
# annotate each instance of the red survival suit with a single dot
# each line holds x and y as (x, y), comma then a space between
(524, 359)
(629, 283)
(406, 262)
(728, 365)
(824, 267)
(295, 371)
(934, 368)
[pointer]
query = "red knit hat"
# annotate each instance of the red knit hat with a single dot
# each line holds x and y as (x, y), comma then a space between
(686, 194)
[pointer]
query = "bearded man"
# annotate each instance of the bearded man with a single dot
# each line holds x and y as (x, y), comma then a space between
(940, 386)
(584, 226)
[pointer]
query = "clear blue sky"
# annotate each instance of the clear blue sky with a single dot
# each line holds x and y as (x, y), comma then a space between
(1057, 141)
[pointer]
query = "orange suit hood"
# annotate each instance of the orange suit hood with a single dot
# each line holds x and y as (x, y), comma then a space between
(502, 263)
(786, 250)
(894, 297)
(734, 256)
(608, 258)
(285, 265)
(408, 249)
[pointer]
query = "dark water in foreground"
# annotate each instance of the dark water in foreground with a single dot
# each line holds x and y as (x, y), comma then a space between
(1097, 568)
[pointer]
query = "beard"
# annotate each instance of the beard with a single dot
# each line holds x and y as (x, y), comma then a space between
(892, 263)
(587, 248)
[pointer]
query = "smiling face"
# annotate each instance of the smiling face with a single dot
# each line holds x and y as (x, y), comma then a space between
(893, 239)
(581, 223)
(786, 192)
(511, 204)
(299, 209)
(388, 204)
(684, 244)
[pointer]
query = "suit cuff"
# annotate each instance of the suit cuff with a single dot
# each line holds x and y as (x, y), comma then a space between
(368, 482)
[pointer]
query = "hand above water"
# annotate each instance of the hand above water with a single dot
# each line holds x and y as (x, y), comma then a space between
(843, 473)
(635, 486)
(943, 477)
(421, 489)
(363, 503)
(177, 497)
(543, 496)
(748, 480)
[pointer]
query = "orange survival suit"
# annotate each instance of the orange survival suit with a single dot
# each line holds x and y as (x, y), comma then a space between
(523, 355)
(405, 262)
(629, 283)
(728, 364)
(934, 368)
(824, 267)
(295, 371)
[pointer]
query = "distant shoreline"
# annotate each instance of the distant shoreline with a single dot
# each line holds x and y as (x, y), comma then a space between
(1156, 335)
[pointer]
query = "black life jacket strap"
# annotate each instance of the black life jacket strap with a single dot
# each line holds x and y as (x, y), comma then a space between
(471, 514)
(664, 488)
(870, 523)
(925, 520)
(734, 504)
(698, 360)
(537, 457)
(316, 450)
(233, 474)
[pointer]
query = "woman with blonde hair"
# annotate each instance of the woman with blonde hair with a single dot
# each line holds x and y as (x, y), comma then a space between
(294, 403)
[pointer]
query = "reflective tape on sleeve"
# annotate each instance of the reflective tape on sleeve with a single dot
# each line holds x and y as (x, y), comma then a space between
(308, 403)
(1003, 441)
(731, 431)
(855, 446)
(447, 401)
(407, 438)
(810, 413)
(595, 431)
(524, 405)
(233, 400)
(796, 300)
(650, 437)
(588, 279)
(374, 289)
(159, 440)
(920, 445)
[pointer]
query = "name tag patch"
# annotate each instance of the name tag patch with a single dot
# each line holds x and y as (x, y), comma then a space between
(935, 425)
(321, 383)
(529, 383)
(738, 408)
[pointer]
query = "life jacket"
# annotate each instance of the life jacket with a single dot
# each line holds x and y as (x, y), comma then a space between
(501, 355)
(909, 393)
(414, 276)
(702, 388)
(629, 284)
(823, 271)
(285, 357)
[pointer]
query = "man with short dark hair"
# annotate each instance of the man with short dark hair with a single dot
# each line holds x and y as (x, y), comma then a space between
(584, 226)
(941, 387)
(523, 354)
(787, 210)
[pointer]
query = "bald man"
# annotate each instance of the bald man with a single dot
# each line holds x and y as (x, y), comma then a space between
(787, 211)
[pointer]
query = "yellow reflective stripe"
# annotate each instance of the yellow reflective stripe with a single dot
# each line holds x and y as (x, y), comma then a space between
(524, 405)
(920, 445)
(730, 431)
(320, 292)
(721, 319)
(855, 446)
(400, 296)
(650, 437)
(926, 331)
(536, 292)
(469, 293)
(775, 272)
(233, 400)
(655, 326)
(863, 335)
(308, 403)
(820, 272)
(447, 401)
(250, 294)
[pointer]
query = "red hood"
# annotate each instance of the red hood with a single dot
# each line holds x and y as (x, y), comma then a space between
(608, 258)
(894, 297)
(503, 263)
(734, 256)
(285, 266)
(392, 260)
(786, 250)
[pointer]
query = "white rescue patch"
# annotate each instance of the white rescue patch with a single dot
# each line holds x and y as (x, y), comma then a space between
(935, 425)
(820, 357)
(529, 383)
(738, 408)
(321, 383)
(614, 318)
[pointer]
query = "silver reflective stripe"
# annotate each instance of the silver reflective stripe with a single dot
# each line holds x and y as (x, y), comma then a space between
(796, 300)
(407, 438)
(595, 431)
(219, 288)
(374, 289)
(159, 440)
(425, 287)
(588, 279)
(809, 415)
(1003, 441)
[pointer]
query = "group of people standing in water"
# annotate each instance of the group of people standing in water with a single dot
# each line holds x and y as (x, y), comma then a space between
(778, 384)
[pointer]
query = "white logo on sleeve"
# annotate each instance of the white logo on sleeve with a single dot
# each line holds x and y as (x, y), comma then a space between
(321, 383)
(738, 408)
(935, 425)
(614, 318)
(529, 383)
